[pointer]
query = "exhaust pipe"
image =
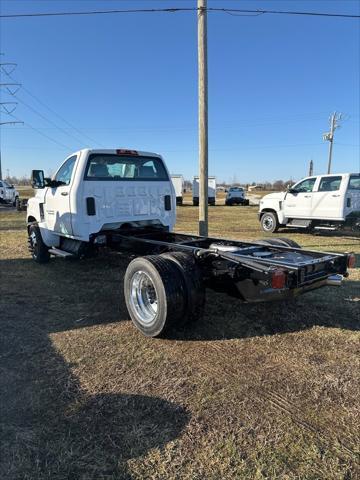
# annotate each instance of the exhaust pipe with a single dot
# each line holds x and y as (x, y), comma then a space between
(334, 280)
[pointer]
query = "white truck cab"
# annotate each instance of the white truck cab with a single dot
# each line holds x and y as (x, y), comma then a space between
(320, 202)
(8, 193)
(100, 190)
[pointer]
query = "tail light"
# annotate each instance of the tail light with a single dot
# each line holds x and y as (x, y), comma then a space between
(278, 279)
(123, 151)
(351, 260)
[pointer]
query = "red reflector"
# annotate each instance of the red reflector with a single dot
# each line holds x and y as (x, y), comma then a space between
(122, 151)
(278, 279)
(351, 260)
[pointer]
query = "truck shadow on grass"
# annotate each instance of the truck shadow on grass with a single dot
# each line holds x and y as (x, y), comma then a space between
(52, 428)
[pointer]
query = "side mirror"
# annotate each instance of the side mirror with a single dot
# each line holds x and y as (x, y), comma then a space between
(37, 179)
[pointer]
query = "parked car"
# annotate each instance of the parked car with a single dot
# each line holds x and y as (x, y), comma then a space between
(327, 202)
(211, 191)
(236, 196)
(8, 194)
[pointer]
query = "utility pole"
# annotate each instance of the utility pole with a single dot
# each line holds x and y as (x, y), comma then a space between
(311, 168)
(334, 119)
(203, 117)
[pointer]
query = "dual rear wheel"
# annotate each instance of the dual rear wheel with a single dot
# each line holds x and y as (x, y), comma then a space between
(163, 291)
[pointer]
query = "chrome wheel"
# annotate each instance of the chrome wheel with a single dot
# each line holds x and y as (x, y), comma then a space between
(143, 297)
(33, 240)
(268, 223)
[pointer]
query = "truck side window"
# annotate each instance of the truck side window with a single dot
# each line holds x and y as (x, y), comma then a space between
(64, 174)
(305, 186)
(354, 183)
(329, 184)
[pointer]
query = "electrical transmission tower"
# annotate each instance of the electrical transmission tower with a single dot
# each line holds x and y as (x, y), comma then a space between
(329, 136)
(311, 168)
(4, 106)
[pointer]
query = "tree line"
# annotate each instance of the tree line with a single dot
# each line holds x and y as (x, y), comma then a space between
(278, 185)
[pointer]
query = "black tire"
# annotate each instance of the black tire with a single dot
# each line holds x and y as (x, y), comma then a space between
(269, 222)
(279, 242)
(15, 202)
(246, 202)
(195, 289)
(39, 251)
(18, 204)
(157, 277)
(228, 203)
(196, 202)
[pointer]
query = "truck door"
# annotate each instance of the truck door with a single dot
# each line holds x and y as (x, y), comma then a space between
(352, 201)
(328, 200)
(297, 202)
(57, 200)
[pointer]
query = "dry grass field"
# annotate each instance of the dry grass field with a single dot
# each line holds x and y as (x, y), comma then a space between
(267, 391)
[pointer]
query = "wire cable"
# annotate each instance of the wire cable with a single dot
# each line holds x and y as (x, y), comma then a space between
(66, 147)
(47, 119)
(233, 11)
(56, 114)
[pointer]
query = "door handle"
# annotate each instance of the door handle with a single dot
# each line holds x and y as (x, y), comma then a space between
(307, 196)
(335, 195)
(64, 194)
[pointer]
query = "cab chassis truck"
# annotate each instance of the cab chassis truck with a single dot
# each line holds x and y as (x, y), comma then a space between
(124, 200)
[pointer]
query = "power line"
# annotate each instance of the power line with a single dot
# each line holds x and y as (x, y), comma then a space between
(179, 9)
(47, 119)
(54, 113)
(44, 134)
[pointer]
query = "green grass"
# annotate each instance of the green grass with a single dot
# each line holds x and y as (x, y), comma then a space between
(267, 391)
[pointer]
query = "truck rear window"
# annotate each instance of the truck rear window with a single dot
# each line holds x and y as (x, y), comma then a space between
(121, 167)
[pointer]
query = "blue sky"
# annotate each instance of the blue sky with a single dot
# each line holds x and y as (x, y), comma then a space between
(131, 81)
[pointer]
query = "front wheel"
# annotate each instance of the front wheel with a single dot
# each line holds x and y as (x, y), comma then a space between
(155, 294)
(39, 251)
(269, 222)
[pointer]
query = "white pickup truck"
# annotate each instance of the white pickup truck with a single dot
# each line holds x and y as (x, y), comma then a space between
(236, 196)
(8, 194)
(326, 202)
(124, 200)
